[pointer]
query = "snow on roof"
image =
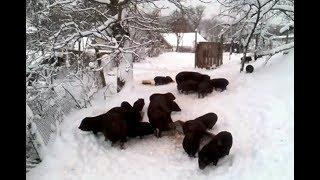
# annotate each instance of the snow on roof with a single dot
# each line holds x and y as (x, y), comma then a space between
(187, 39)
(284, 36)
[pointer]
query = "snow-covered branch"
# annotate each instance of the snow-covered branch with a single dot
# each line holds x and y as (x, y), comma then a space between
(278, 49)
(287, 8)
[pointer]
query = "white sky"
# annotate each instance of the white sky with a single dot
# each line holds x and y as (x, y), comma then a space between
(210, 11)
(212, 8)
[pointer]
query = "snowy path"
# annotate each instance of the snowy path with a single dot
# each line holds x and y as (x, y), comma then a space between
(257, 109)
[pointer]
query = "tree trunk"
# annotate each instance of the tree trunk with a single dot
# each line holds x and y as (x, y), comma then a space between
(231, 47)
(178, 41)
(125, 68)
(256, 47)
(102, 78)
(231, 44)
(287, 37)
(79, 46)
(195, 40)
(249, 39)
(220, 55)
(195, 49)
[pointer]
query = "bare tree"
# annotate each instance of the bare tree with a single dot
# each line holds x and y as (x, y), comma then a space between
(62, 23)
(252, 17)
(209, 29)
(195, 14)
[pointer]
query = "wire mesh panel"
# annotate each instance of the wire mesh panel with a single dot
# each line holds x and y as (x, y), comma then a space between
(48, 109)
(51, 110)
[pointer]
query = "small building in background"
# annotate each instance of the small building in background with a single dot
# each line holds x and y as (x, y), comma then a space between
(186, 41)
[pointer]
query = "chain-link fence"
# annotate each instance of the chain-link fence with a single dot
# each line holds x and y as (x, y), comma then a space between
(47, 110)
(53, 91)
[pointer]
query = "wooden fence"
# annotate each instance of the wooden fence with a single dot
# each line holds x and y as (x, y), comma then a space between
(208, 55)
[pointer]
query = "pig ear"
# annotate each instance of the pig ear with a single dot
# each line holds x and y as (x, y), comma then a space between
(170, 96)
(174, 106)
(219, 142)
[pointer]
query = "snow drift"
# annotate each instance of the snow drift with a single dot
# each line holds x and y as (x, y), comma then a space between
(256, 108)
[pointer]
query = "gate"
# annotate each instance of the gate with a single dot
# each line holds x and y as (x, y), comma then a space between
(208, 55)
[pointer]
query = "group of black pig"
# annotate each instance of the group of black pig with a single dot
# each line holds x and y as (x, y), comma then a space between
(125, 121)
(119, 123)
(195, 132)
(188, 81)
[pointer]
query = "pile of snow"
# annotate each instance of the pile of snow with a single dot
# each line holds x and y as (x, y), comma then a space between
(187, 39)
(256, 108)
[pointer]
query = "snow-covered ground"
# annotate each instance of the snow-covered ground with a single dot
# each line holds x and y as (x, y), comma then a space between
(256, 108)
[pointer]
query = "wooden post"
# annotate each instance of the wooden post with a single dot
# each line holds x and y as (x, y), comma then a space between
(79, 45)
(220, 55)
(231, 44)
(103, 80)
(231, 49)
(256, 46)
(195, 49)
(125, 68)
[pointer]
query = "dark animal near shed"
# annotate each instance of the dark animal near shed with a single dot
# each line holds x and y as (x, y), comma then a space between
(204, 88)
(190, 75)
(187, 86)
(249, 69)
(219, 83)
(248, 59)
